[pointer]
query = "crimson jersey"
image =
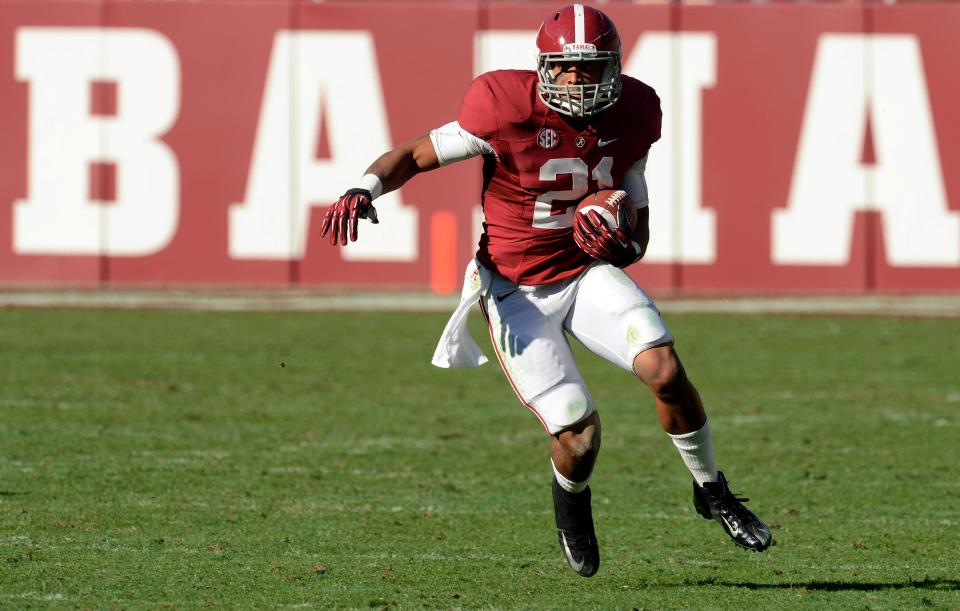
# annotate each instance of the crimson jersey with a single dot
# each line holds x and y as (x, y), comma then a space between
(545, 163)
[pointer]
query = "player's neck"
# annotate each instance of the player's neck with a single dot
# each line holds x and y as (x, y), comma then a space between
(577, 123)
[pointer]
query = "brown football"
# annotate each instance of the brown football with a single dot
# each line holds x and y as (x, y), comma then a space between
(615, 206)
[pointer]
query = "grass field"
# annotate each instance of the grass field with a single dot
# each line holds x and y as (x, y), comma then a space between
(156, 459)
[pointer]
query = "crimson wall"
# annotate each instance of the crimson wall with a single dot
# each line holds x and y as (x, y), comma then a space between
(808, 148)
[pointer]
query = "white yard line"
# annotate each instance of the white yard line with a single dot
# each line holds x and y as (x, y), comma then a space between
(945, 305)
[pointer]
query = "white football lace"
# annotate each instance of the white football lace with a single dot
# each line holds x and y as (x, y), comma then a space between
(615, 197)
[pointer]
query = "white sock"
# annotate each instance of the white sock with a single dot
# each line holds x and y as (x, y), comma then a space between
(696, 450)
(566, 484)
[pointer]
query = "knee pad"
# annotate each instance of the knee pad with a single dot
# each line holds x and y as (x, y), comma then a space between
(563, 405)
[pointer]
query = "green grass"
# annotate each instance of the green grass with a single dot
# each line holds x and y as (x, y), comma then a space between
(150, 459)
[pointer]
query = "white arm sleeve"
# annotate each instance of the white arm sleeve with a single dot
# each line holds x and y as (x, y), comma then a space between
(635, 184)
(453, 143)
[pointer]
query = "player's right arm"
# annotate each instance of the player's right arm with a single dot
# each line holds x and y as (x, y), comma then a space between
(389, 172)
(396, 167)
(442, 146)
(462, 139)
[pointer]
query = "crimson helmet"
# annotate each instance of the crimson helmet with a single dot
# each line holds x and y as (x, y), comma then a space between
(578, 33)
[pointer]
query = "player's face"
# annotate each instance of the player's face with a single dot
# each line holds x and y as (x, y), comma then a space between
(578, 73)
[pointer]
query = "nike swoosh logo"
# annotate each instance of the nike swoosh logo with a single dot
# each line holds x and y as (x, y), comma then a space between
(606, 142)
(734, 529)
(576, 566)
(500, 298)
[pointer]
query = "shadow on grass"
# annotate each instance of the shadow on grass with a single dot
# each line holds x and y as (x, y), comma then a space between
(840, 586)
(11, 493)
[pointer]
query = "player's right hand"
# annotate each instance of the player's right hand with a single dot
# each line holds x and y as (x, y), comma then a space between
(346, 213)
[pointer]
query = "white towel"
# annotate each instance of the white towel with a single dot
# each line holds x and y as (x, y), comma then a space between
(457, 347)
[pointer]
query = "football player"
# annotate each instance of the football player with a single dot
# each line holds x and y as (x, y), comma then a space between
(548, 137)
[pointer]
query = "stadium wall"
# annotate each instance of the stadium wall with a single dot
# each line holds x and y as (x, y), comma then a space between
(806, 147)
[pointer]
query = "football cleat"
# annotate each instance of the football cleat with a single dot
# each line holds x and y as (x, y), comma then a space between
(714, 501)
(575, 529)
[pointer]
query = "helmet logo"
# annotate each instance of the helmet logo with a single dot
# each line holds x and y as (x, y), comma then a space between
(579, 47)
(548, 138)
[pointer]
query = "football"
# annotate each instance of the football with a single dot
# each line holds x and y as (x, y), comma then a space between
(615, 206)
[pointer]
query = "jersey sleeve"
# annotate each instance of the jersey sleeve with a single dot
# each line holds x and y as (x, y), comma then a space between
(453, 143)
(645, 115)
(635, 183)
(478, 112)
(655, 124)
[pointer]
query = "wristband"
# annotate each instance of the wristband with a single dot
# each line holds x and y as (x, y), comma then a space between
(371, 182)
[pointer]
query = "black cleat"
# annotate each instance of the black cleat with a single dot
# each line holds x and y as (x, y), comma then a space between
(575, 529)
(714, 501)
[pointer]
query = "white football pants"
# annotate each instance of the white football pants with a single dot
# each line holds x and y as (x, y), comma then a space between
(602, 307)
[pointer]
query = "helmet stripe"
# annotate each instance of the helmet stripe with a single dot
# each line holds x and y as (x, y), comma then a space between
(578, 23)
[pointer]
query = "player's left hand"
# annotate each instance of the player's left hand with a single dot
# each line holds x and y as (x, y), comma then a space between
(347, 212)
(614, 246)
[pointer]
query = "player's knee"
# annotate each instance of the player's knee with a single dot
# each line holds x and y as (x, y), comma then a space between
(582, 441)
(661, 371)
(580, 448)
(563, 405)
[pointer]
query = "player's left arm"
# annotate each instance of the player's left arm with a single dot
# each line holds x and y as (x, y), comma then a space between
(635, 181)
(641, 235)
(616, 246)
(635, 184)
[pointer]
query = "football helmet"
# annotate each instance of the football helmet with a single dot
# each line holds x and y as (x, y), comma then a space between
(578, 33)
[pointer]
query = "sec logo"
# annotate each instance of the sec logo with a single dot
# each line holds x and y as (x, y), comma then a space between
(548, 138)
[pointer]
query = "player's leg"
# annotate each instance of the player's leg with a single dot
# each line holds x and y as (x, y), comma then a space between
(573, 453)
(682, 416)
(679, 408)
(615, 319)
(528, 338)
